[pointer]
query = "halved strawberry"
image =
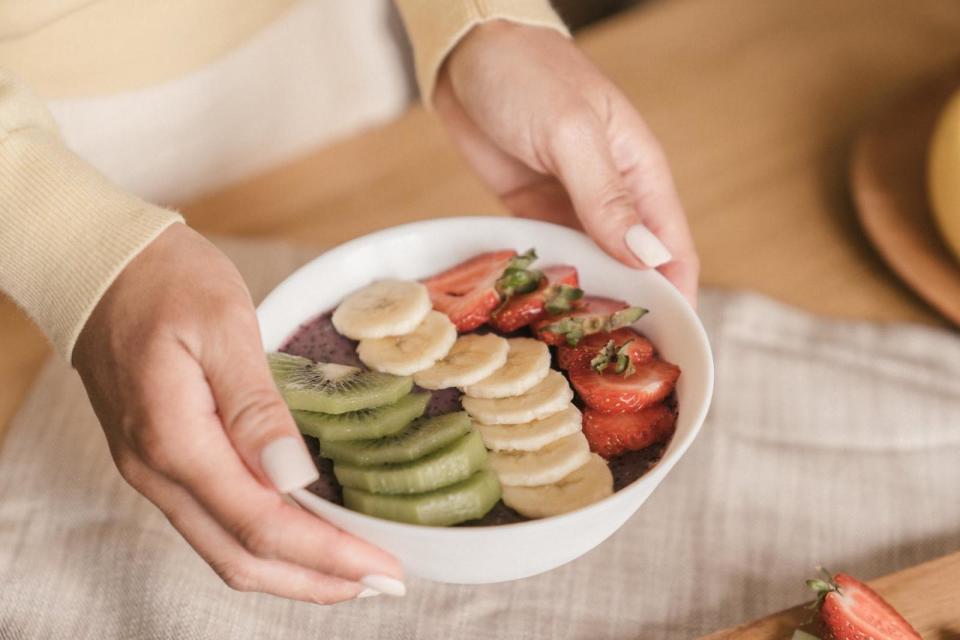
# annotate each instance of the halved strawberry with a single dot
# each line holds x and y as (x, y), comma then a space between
(559, 285)
(591, 314)
(611, 434)
(626, 341)
(850, 610)
(467, 292)
(611, 392)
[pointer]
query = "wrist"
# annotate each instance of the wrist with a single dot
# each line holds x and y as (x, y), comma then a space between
(493, 43)
(139, 285)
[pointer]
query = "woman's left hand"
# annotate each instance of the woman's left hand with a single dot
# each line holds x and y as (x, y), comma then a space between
(557, 141)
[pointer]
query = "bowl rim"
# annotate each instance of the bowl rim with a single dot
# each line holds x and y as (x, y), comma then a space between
(661, 467)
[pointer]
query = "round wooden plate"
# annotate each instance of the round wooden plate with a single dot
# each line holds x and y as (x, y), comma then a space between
(889, 185)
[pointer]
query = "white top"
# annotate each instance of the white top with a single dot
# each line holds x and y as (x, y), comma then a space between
(321, 71)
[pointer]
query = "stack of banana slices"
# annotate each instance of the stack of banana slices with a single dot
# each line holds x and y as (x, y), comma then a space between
(524, 414)
(520, 406)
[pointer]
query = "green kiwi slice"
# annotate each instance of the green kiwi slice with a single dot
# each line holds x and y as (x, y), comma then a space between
(451, 464)
(333, 388)
(364, 424)
(468, 499)
(419, 438)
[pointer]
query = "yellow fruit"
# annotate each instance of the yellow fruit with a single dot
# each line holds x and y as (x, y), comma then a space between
(944, 174)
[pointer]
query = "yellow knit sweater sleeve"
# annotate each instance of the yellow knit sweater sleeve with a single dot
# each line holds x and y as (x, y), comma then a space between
(65, 231)
(436, 26)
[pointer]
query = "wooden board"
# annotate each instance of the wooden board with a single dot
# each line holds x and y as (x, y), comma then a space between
(927, 595)
(889, 186)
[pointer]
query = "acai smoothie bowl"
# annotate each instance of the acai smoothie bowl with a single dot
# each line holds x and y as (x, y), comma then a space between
(486, 398)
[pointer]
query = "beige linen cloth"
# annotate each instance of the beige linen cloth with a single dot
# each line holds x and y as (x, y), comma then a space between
(828, 442)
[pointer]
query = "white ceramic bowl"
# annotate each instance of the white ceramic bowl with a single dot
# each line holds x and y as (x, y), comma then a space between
(474, 555)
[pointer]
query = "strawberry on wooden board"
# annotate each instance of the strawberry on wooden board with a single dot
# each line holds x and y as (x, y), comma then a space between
(590, 315)
(611, 434)
(557, 289)
(611, 392)
(850, 610)
(626, 340)
(467, 292)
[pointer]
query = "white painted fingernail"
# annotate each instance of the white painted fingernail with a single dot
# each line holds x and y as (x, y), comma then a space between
(288, 464)
(368, 593)
(646, 246)
(385, 584)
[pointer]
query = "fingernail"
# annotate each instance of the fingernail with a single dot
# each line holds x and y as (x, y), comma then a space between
(288, 464)
(646, 246)
(368, 593)
(385, 584)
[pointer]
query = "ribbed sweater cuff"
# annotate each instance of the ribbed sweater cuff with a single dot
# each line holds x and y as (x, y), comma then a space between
(436, 26)
(65, 232)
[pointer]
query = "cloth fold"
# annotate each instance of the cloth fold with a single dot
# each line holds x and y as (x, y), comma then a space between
(829, 442)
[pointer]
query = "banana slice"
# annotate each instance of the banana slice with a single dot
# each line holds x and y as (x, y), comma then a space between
(546, 465)
(548, 397)
(472, 358)
(530, 436)
(588, 484)
(528, 363)
(413, 352)
(384, 308)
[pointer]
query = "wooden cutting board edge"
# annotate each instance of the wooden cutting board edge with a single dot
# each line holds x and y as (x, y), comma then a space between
(926, 594)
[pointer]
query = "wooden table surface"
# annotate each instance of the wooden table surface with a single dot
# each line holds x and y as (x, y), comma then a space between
(756, 102)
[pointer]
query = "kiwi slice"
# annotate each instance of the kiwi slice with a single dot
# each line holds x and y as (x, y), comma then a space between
(333, 388)
(453, 463)
(364, 424)
(417, 439)
(468, 499)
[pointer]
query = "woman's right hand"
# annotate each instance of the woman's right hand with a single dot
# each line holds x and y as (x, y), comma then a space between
(172, 363)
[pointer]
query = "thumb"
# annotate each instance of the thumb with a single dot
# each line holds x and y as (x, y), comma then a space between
(254, 415)
(581, 157)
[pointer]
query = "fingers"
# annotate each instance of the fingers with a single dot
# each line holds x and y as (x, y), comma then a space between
(620, 185)
(188, 444)
(647, 176)
(580, 157)
(238, 568)
(253, 413)
(269, 527)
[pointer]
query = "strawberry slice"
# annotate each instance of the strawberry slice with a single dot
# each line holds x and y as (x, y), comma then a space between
(611, 434)
(591, 314)
(611, 392)
(626, 341)
(467, 292)
(558, 287)
(850, 610)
